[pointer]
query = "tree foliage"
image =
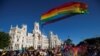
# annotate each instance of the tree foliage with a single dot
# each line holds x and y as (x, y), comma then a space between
(68, 42)
(4, 40)
(91, 41)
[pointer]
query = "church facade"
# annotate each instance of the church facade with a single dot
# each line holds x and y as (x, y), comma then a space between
(20, 38)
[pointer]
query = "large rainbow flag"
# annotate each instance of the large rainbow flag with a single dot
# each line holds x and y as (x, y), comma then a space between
(63, 11)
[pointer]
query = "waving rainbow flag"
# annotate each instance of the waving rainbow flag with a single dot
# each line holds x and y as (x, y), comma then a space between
(63, 11)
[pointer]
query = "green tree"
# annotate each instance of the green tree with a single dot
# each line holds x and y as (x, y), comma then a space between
(4, 40)
(68, 42)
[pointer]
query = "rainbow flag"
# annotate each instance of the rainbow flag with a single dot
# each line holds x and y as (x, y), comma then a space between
(63, 11)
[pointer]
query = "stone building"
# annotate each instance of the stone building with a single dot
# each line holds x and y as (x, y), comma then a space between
(20, 38)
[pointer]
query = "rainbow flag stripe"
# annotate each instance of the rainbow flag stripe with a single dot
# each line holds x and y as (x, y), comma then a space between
(63, 10)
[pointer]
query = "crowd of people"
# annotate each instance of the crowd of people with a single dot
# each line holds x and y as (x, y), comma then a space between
(57, 51)
(88, 47)
(38, 52)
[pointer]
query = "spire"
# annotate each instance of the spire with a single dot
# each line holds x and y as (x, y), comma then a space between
(36, 26)
(11, 27)
(51, 33)
(16, 26)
